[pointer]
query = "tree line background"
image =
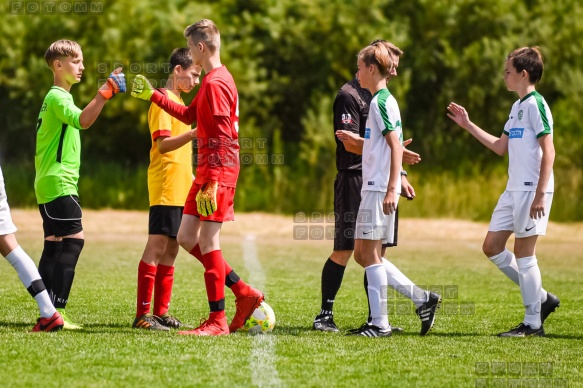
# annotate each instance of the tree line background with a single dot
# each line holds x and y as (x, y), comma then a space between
(289, 58)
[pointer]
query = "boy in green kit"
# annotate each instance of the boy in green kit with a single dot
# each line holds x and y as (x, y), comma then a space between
(57, 163)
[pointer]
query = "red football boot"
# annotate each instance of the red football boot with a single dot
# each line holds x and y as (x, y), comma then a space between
(209, 327)
(54, 323)
(246, 304)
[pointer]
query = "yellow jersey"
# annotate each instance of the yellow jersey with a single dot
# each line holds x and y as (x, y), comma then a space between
(169, 174)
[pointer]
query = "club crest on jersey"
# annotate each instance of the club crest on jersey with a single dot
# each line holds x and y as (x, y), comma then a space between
(515, 133)
(347, 118)
(367, 133)
(520, 115)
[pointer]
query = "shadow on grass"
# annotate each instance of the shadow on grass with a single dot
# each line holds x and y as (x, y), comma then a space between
(17, 324)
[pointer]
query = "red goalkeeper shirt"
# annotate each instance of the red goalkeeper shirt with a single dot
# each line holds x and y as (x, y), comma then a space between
(216, 112)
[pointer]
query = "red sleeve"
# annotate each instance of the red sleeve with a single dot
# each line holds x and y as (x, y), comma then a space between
(186, 114)
(219, 144)
(161, 133)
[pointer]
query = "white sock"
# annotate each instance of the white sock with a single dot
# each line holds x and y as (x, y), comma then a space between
(377, 295)
(28, 273)
(530, 288)
(506, 262)
(398, 281)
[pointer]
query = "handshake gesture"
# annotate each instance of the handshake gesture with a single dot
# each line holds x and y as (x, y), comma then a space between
(116, 83)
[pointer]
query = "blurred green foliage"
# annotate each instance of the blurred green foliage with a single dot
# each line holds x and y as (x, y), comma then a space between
(289, 57)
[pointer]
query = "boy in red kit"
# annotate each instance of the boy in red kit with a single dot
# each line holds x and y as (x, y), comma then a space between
(210, 201)
(169, 179)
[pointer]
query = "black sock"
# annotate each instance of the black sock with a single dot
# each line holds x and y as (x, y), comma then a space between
(369, 319)
(64, 271)
(332, 275)
(46, 264)
(231, 279)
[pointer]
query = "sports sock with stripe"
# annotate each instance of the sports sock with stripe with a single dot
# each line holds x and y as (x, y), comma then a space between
(214, 279)
(31, 279)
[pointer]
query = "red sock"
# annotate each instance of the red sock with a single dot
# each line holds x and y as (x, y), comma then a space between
(239, 288)
(163, 289)
(214, 276)
(214, 315)
(196, 253)
(146, 278)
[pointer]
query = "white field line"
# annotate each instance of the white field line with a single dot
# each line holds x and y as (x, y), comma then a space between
(263, 357)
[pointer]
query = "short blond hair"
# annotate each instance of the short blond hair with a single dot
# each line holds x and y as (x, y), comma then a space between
(204, 31)
(62, 48)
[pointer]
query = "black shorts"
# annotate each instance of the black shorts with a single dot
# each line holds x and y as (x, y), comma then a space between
(347, 187)
(165, 220)
(62, 216)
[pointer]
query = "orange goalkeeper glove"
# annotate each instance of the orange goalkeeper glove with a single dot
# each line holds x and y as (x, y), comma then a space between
(206, 198)
(115, 83)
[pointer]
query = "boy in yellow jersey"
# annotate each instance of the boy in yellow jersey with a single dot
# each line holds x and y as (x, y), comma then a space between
(169, 180)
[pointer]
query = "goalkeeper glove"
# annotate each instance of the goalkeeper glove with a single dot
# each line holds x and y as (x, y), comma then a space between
(115, 83)
(206, 199)
(142, 88)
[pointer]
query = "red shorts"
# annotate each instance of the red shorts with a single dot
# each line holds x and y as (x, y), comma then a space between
(225, 204)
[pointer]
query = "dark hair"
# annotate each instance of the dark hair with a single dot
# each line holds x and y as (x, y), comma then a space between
(180, 56)
(204, 31)
(529, 59)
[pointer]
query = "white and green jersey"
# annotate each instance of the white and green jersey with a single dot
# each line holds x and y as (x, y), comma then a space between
(58, 147)
(383, 116)
(530, 118)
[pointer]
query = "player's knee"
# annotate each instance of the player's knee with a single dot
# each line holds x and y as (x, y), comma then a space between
(490, 248)
(186, 241)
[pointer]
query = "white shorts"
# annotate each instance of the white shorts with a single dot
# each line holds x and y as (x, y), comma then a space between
(371, 222)
(512, 213)
(6, 225)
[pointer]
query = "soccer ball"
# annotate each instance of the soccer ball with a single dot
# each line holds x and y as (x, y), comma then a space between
(261, 321)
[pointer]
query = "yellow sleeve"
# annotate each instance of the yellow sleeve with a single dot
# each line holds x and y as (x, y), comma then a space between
(160, 122)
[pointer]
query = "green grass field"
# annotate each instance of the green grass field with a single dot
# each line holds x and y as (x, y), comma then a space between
(461, 350)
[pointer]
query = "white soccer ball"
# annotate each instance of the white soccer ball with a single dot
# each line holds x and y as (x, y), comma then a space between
(261, 321)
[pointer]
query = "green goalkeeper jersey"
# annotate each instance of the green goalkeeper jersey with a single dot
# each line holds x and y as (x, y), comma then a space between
(58, 147)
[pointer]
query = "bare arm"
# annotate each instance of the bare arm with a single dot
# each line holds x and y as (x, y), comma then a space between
(390, 202)
(169, 144)
(354, 143)
(92, 111)
(537, 209)
(459, 115)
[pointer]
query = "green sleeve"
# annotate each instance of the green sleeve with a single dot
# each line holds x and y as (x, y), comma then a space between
(65, 110)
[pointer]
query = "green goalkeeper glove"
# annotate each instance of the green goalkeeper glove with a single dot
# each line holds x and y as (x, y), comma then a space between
(142, 88)
(206, 199)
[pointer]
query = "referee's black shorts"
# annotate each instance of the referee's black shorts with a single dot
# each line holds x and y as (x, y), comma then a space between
(347, 187)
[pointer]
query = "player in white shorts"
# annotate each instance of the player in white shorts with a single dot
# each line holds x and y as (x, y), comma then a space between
(523, 209)
(50, 319)
(381, 184)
